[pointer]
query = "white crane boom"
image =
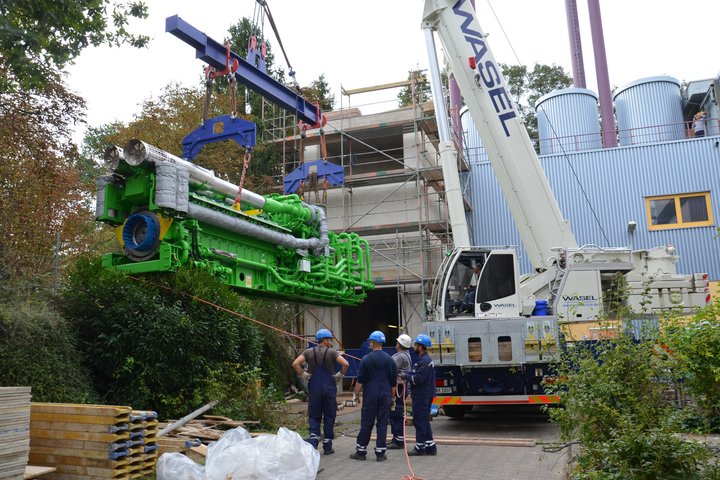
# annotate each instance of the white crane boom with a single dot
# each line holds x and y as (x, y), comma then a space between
(526, 190)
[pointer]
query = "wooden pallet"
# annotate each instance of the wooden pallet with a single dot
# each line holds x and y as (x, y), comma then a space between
(14, 431)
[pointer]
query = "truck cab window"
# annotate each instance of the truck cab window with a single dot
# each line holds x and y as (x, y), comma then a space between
(497, 279)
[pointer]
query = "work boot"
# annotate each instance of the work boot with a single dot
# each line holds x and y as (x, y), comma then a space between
(381, 458)
(395, 445)
(416, 453)
(430, 448)
(358, 456)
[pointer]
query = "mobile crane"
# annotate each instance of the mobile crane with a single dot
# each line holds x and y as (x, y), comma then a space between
(170, 213)
(499, 351)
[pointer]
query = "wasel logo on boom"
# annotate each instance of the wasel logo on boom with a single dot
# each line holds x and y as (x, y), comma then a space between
(578, 298)
(488, 74)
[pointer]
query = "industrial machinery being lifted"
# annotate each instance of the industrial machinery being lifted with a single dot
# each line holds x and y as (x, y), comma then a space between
(170, 213)
(496, 346)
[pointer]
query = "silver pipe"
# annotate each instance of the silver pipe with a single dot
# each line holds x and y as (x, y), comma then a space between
(137, 152)
(243, 227)
(112, 156)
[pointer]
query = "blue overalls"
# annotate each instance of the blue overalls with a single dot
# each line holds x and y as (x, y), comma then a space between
(377, 375)
(422, 387)
(322, 403)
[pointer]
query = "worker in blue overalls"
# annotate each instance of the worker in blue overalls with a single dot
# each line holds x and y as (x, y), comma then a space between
(377, 376)
(322, 387)
(421, 380)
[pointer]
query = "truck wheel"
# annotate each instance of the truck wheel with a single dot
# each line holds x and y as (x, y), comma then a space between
(455, 411)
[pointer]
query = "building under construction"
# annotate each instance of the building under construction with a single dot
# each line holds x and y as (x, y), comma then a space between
(391, 193)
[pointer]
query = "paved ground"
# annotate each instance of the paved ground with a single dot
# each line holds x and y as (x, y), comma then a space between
(461, 462)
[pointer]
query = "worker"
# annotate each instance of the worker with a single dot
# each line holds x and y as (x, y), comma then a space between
(469, 302)
(397, 414)
(377, 376)
(421, 380)
(699, 124)
(322, 387)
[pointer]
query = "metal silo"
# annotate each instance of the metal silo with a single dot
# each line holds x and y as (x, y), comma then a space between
(568, 121)
(649, 110)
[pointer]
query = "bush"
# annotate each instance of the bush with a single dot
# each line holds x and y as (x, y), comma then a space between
(694, 348)
(613, 404)
(153, 347)
(38, 348)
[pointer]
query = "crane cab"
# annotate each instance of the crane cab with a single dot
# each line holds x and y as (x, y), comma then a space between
(476, 282)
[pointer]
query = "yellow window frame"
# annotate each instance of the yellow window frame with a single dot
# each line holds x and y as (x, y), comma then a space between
(678, 211)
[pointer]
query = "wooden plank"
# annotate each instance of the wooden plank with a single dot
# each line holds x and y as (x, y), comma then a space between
(79, 444)
(77, 427)
(32, 471)
(79, 419)
(89, 436)
(51, 459)
(80, 409)
(77, 452)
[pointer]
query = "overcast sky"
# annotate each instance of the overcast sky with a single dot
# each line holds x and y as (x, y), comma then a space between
(369, 42)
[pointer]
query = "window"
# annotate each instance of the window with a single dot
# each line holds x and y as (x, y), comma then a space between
(679, 211)
(498, 278)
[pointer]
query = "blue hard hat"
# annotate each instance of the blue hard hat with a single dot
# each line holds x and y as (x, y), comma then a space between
(424, 340)
(377, 336)
(323, 333)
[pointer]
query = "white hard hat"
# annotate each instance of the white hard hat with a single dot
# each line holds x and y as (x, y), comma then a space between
(405, 340)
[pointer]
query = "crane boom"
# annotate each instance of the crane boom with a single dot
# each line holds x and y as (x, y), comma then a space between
(526, 190)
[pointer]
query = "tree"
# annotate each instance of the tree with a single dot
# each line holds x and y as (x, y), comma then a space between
(418, 91)
(319, 91)
(39, 38)
(527, 86)
(166, 119)
(41, 191)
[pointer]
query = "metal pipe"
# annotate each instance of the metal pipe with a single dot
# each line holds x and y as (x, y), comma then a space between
(137, 152)
(603, 79)
(187, 418)
(576, 55)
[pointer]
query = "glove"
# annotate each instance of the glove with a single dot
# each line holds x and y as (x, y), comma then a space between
(306, 375)
(356, 399)
(404, 375)
(338, 377)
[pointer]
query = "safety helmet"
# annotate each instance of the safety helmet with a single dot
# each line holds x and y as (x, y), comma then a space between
(424, 340)
(323, 333)
(377, 336)
(405, 340)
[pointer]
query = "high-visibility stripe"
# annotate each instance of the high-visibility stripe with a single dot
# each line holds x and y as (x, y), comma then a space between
(497, 400)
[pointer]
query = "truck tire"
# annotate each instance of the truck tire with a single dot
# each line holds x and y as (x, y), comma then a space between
(456, 411)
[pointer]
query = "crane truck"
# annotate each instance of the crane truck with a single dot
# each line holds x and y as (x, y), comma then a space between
(498, 349)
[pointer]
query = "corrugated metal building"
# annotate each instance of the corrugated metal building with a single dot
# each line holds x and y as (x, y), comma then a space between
(617, 183)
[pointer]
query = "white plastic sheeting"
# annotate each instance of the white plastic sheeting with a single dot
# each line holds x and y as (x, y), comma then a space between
(237, 456)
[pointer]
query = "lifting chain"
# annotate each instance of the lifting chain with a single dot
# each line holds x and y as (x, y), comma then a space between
(246, 164)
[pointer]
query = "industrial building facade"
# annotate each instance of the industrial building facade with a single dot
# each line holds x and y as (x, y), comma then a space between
(660, 187)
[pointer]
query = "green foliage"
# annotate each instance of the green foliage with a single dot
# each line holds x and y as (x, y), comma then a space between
(526, 86)
(418, 92)
(38, 348)
(319, 91)
(248, 394)
(39, 38)
(613, 405)
(695, 347)
(152, 347)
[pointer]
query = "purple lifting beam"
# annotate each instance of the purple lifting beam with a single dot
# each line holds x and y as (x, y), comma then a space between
(214, 54)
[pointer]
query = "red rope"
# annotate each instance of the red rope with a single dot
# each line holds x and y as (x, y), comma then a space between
(237, 314)
(412, 475)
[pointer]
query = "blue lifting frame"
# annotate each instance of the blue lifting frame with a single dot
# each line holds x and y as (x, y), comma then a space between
(333, 173)
(218, 129)
(215, 54)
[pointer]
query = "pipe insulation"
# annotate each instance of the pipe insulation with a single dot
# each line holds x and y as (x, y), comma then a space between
(137, 152)
(243, 227)
(171, 191)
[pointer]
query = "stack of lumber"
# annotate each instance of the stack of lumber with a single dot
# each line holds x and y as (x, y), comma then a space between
(191, 435)
(143, 451)
(14, 431)
(81, 441)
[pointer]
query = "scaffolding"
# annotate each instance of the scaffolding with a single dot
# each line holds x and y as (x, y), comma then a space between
(393, 194)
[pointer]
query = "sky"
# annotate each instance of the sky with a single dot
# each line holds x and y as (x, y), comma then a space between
(370, 42)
